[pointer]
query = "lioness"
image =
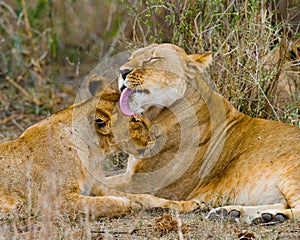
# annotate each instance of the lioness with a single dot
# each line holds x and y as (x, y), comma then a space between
(204, 149)
(56, 164)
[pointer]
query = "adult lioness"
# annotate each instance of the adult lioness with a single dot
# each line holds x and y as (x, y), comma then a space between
(56, 164)
(211, 151)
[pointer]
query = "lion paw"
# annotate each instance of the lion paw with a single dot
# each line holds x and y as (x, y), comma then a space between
(223, 213)
(250, 215)
(188, 206)
(182, 206)
(270, 218)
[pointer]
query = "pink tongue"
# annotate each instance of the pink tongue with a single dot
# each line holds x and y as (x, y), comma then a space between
(124, 102)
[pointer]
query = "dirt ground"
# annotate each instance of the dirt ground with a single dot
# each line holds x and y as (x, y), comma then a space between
(157, 225)
(154, 224)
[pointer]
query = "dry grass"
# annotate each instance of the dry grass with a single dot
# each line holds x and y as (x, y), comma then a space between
(252, 49)
(46, 50)
(142, 225)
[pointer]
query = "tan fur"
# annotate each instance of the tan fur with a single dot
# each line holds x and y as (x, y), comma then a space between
(249, 162)
(56, 164)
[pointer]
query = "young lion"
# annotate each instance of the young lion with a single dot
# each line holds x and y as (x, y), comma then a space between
(204, 149)
(56, 164)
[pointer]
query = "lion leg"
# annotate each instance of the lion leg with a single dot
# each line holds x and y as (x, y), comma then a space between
(99, 206)
(276, 213)
(148, 201)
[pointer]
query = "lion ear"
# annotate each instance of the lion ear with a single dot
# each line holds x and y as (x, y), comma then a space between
(204, 59)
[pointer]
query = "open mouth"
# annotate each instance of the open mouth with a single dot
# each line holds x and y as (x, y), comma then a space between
(124, 105)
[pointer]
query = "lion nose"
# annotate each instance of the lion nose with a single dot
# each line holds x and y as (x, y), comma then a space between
(124, 72)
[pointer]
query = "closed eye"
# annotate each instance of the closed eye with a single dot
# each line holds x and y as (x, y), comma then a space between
(154, 59)
(100, 123)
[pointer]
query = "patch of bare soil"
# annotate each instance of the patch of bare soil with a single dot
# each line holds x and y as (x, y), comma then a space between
(162, 225)
(155, 224)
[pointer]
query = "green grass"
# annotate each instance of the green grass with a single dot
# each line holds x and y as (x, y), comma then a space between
(46, 45)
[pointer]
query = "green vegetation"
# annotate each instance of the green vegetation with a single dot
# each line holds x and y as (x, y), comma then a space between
(244, 38)
(48, 47)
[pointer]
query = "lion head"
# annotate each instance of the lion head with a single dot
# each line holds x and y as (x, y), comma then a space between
(157, 76)
(118, 136)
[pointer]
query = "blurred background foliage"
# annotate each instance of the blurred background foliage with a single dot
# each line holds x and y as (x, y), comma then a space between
(48, 46)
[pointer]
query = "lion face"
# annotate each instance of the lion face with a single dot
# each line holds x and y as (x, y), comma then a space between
(156, 76)
(102, 118)
(111, 134)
